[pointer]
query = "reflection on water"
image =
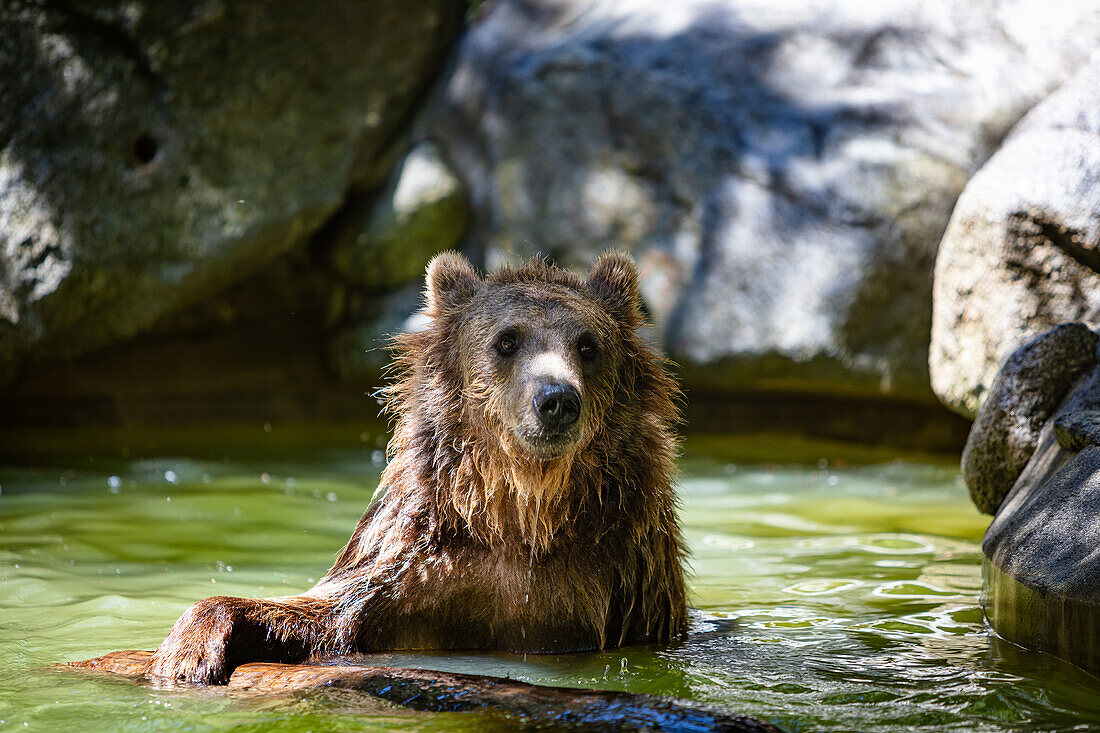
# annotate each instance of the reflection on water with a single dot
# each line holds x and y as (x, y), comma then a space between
(828, 599)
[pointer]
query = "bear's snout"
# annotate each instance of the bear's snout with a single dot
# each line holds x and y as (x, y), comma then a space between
(557, 405)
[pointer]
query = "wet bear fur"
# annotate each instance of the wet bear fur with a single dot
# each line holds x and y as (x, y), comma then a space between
(493, 532)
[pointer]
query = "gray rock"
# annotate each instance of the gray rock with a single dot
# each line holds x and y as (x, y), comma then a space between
(1023, 246)
(1077, 423)
(154, 153)
(782, 174)
(423, 210)
(1027, 390)
(1078, 429)
(1047, 534)
(1042, 574)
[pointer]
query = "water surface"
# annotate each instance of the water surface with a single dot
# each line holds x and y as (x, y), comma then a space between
(831, 597)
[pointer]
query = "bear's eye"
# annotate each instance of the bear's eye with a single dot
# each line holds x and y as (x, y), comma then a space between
(507, 343)
(587, 347)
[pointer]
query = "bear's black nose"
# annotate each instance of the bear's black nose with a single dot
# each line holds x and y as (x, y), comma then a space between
(557, 405)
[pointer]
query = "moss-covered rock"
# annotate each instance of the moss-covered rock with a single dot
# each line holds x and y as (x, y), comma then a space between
(422, 210)
(154, 153)
(359, 351)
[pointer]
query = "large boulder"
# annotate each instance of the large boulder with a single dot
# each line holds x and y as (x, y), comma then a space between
(153, 153)
(783, 172)
(1022, 251)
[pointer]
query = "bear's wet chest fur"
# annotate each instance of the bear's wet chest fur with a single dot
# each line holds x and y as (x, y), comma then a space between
(508, 597)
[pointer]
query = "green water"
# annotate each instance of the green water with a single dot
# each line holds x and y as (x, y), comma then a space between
(831, 598)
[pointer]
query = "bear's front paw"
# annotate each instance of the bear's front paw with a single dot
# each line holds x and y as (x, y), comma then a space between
(195, 649)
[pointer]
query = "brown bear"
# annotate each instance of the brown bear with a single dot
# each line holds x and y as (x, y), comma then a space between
(528, 503)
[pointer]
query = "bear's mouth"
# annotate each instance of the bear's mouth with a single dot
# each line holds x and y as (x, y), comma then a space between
(547, 445)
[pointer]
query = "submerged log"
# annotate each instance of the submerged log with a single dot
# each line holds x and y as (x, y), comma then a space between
(434, 691)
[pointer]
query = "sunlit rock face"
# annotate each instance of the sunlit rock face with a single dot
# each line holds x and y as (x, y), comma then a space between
(153, 153)
(1022, 251)
(782, 171)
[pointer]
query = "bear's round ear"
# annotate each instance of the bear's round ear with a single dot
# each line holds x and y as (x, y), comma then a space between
(614, 280)
(450, 280)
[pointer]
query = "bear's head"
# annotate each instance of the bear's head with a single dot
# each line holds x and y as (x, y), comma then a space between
(526, 383)
(538, 350)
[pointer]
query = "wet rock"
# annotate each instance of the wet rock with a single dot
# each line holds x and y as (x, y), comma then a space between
(155, 153)
(1046, 535)
(783, 177)
(1028, 389)
(423, 210)
(1022, 250)
(1041, 572)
